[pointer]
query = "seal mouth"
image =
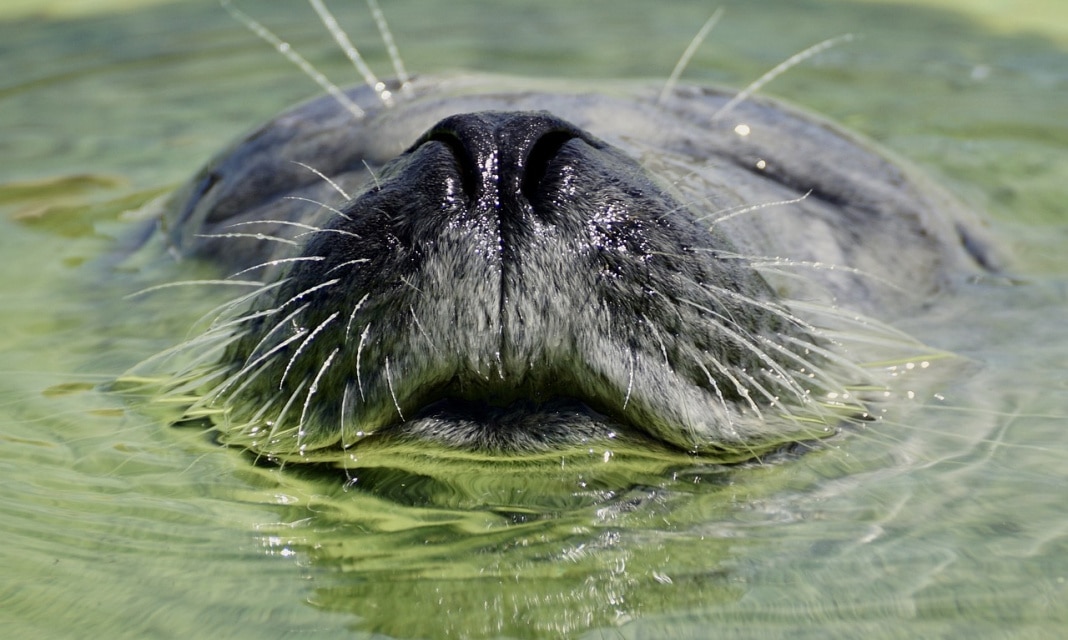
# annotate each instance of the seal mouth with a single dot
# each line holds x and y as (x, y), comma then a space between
(512, 283)
(521, 425)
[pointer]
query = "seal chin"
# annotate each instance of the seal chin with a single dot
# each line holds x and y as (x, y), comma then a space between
(511, 283)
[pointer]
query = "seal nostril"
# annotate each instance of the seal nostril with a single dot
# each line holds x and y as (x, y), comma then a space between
(466, 164)
(502, 155)
(544, 151)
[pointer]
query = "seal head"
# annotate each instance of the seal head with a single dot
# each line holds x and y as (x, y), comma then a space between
(510, 282)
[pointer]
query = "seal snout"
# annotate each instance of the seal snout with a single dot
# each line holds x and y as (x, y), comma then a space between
(506, 276)
(502, 156)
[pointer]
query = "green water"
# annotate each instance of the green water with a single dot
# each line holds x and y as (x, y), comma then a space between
(948, 523)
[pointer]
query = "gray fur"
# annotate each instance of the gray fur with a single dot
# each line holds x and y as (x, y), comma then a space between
(632, 292)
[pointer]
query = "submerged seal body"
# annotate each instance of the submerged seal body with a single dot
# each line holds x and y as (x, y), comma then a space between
(512, 266)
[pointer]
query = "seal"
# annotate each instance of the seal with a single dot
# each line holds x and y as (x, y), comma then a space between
(513, 265)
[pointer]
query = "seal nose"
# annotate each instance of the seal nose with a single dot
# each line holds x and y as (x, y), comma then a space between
(503, 156)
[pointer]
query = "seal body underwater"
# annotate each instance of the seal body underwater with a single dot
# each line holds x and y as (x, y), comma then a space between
(515, 265)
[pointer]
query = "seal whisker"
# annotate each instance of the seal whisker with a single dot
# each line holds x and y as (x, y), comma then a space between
(738, 387)
(186, 384)
(423, 331)
(278, 325)
(228, 325)
(856, 321)
(359, 355)
(722, 215)
(330, 208)
(246, 377)
(727, 414)
(335, 186)
(373, 174)
(347, 263)
(827, 380)
(290, 54)
(312, 391)
(771, 398)
(630, 377)
(342, 40)
(206, 401)
(890, 344)
(691, 49)
(214, 340)
(304, 345)
(254, 236)
(252, 365)
(806, 326)
(777, 71)
(738, 338)
(693, 436)
(308, 291)
(734, 212)
(188, 283)
(346, 408)
(822, 351)
(659, 339)
(230, 307)
(250, 375)
(391, 47)
(771, 307)
(352, 316)
(772, 264)
(340, 232)
(255, 423)
(392, 391)
(312, 229)
(812, 372)
(275, 263)
(806, 344)
(276, 432)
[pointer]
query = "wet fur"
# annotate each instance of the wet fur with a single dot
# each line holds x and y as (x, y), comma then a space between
(709, 284)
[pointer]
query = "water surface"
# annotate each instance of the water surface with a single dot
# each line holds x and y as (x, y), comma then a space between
(947, 521)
